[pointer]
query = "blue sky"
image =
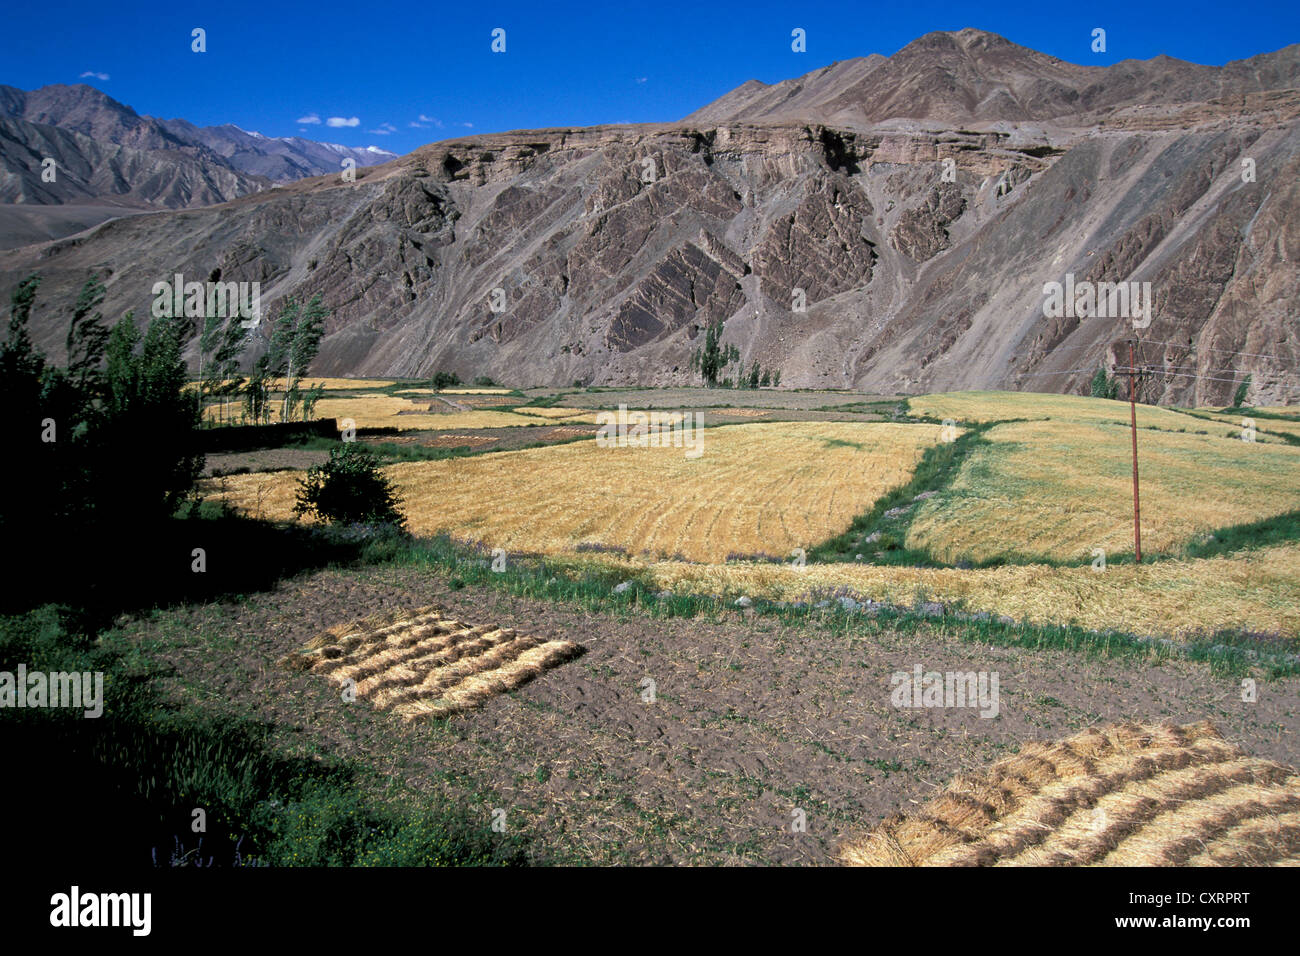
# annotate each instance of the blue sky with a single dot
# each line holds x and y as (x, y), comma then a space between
(409, 74)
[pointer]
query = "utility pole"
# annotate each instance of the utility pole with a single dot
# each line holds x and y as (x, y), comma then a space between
(1132, 406)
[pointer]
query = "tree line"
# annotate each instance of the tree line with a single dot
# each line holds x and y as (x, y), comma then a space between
(712, 359)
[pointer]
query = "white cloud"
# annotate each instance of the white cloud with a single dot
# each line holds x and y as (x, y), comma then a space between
(311, 119)
(642, 79)
(424, 122)
(338, 121)
(467, 125)
(93, 75)
(384, 129)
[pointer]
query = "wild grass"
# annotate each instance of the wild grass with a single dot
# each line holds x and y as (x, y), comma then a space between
(151, 760)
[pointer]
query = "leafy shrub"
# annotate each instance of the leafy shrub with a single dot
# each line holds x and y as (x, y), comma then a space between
(1103, 386)
(349, 488)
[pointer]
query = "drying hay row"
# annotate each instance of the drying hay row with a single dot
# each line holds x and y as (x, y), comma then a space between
(1123, 795)
(427, 665)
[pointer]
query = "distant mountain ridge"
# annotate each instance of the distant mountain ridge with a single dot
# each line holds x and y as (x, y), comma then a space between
(108, 156)
(972, 76)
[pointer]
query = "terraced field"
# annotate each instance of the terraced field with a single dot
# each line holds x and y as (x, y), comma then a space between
(1255, 590)
(391, 411)
(1126, 795)
(1059, 489)
(1001, 406)
(760, 488)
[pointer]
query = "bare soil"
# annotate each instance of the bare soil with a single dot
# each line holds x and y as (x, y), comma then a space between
(753, 719)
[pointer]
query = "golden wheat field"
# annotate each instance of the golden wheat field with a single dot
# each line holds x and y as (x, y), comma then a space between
(494, 397)
(756, 488)
(390, 411)
(430, 665)
(1256, 590)
(1001, 406)
(1060, 489)
(1123, 795)
(331, 384)
(559, 414)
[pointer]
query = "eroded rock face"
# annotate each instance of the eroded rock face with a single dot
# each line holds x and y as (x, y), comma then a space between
(689, 287)
(602, 254)
(922, 231)
(819, 246)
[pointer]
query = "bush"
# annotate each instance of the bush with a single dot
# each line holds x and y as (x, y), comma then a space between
(1103, 386)
(349, 488)
(1239, 399)
(484, 381)
(443, 380)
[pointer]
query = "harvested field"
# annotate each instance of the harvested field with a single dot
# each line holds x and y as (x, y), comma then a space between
(428, 665)
(331, 384)
(568, 432)
(390, 411)
(1000, 406)
(754, 715)
(1124, 795)
(1058, 489)
(567, 414)
(456, 441)
(460, 398)
(395, 411)
(760, 488)
(1256, 590)
(706, 398)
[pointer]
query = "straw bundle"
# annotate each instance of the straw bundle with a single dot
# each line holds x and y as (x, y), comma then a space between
(1124, 795)
(427, 665)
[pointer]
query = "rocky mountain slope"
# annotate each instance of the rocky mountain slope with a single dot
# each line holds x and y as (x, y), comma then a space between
(886, 224)
(107, 158)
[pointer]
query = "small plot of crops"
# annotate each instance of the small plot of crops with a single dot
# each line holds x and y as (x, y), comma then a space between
(456, 441)
(1000, 406)
(460, 399)
(428, 665)
(753, 489)
(330, 384)
(1124, 795)
(1253, 590)
(558, 414)
(391, 411)
(1058, 490)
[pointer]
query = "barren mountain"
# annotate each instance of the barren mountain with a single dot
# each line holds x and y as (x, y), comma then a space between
(887, 224)
(111, 161)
